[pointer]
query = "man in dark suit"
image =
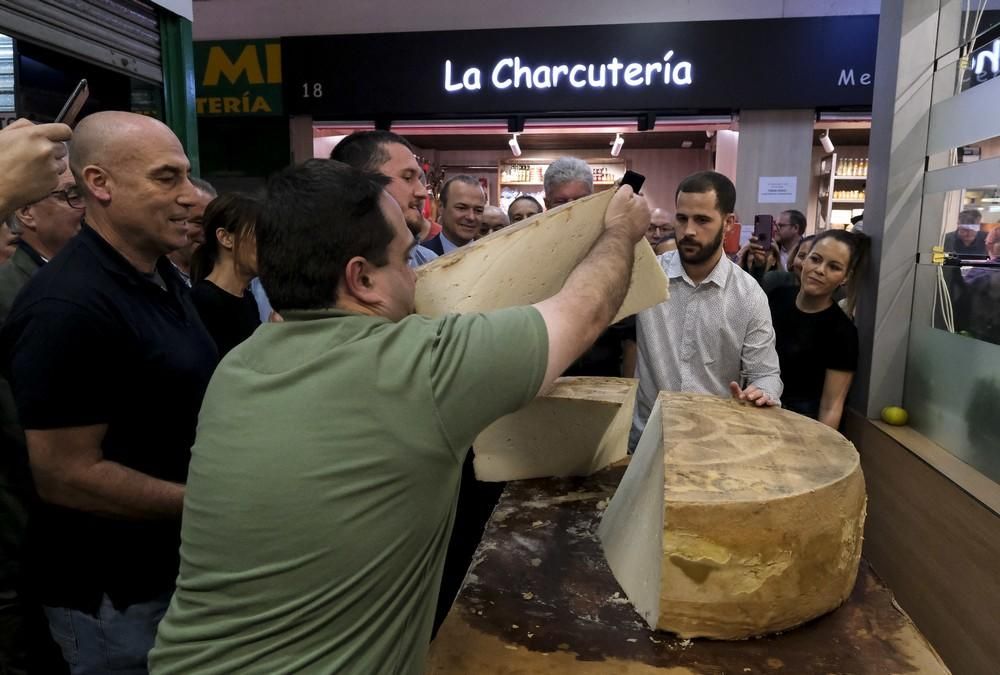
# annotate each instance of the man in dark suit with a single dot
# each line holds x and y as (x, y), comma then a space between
(462, 203)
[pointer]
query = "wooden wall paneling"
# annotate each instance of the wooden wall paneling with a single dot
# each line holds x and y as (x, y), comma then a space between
(936, 547)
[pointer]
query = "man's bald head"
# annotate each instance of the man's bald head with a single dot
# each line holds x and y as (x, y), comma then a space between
(494, 218)
(109, 137)
(137, 184)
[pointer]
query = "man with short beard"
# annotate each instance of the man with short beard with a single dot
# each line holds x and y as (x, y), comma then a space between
(392, 156)
(714, 334)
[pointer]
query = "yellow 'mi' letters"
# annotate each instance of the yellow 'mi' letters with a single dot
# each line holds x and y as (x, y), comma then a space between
(248, 62)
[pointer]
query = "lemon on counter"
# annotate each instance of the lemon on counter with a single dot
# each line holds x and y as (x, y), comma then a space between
(893, 414)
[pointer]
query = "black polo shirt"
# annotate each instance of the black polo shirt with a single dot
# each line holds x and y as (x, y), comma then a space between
(91, 340)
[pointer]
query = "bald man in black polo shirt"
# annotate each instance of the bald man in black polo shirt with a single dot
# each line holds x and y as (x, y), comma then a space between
(108, 362)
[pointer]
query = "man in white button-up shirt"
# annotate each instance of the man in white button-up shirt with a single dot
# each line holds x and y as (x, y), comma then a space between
(714, 334)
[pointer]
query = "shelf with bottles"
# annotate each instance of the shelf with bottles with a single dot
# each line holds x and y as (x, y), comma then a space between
(848, 196)
(845, 197)
(840, 190)
(851, 168)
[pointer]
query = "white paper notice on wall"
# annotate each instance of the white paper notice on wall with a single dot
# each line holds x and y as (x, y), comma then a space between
(776, 189)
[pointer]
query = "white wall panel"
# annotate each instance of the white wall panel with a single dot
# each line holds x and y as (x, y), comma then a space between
(234, 19)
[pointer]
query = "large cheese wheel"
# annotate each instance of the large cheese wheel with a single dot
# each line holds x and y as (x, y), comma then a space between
(760, 524)
(529, 262)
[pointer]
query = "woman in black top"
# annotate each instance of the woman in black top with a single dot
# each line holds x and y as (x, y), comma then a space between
(817, 344)
(222, 268)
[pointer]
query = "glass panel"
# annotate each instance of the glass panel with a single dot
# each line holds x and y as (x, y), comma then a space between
(974, 208)
(959, 221)
(984, 61)
(952, 387)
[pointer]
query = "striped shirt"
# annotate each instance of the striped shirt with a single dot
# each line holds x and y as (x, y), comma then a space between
(704, 337)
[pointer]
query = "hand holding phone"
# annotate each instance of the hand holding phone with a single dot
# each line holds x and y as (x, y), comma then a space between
(31, 158)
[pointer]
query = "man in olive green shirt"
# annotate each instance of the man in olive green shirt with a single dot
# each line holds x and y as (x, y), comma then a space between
(324, 476)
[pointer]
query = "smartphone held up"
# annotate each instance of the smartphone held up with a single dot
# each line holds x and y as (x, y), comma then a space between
(763, 230)
(74, 104)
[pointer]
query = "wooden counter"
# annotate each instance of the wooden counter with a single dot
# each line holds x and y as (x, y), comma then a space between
(541, 599)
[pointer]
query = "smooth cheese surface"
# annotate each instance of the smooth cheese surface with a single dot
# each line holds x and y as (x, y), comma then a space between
(577, 428)
(529, 262)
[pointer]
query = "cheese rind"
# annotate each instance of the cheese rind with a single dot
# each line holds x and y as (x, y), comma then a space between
(577, 428)
(763, 519)
(529, 262)
(631, 530)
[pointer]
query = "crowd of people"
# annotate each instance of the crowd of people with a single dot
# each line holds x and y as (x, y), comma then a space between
(972, 280)
(229, 443)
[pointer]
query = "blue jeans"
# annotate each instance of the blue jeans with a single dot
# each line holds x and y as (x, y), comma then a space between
(114, 641)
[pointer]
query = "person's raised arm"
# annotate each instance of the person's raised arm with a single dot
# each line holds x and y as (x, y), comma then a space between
(31, 158)
(595, 289)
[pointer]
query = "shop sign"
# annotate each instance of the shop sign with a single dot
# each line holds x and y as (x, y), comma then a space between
(803, 62)
(238, 77)
(984, 64)
(509, 72)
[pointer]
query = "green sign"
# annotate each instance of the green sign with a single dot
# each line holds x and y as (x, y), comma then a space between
(238, 77)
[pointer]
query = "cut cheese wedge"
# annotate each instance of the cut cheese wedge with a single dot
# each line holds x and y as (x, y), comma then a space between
(758, 525)
(576, 429)
(529, 262)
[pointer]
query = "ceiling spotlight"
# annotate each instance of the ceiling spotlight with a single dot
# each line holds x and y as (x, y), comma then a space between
(709, 132)
(515, 149)
(824, 140)
(616, 145)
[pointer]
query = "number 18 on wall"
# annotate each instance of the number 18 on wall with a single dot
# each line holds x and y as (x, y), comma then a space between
(312, 90)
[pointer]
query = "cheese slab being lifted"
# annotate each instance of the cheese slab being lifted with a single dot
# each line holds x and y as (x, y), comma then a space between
(754, 526)
(576, 429)
(529, 262)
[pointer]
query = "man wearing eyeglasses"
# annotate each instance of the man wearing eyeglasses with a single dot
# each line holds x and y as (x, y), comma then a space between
(660, 228)
(44, 227)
